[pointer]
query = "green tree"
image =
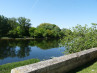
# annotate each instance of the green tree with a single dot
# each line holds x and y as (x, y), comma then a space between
(31, 31)
(4, 26)
(50, 30)
(13, 31)
(13, 23)
(24, 24)
(39, 33)
(48, 33)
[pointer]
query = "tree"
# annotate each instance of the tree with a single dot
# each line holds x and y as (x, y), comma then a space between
(13, 23)
(4, 26)
(39, 33)
(21, 27)
(24, 24)
(50, 30)
(48, 34)
(15, 33)
(31, 31)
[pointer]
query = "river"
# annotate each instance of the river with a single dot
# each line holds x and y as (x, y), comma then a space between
(20, 50)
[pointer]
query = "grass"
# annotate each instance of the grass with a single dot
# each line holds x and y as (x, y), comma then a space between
(6, 68)
(90, 67)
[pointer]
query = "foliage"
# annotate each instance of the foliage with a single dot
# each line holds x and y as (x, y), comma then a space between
(21, 27)
(48, 30)
(4, 26)
(65, 32)
(39, 33)
(31, 31)
(82, 38)
(24, 24)
(6, 68)
(13, 23)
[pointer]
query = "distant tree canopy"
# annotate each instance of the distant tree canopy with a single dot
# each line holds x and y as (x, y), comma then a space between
(21, 27)
(47, 30)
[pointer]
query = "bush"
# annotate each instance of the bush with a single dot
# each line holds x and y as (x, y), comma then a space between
(83, 38)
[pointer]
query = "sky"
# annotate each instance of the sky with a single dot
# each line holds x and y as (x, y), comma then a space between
(63, 13)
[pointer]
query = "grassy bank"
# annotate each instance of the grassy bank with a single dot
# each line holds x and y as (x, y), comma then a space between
(90, 67)
(6, 68)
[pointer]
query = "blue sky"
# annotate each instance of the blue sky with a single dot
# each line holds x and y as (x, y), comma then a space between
(64, 13)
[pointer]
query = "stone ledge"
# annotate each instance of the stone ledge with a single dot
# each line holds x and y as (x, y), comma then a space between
(59, 64)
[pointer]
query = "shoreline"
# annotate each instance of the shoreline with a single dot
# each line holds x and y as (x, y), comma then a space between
(17, 38)
(7, 38)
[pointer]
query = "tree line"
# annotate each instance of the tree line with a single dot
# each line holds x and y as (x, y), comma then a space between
(21, 27)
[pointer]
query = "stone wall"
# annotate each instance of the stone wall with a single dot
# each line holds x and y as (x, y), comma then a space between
(61, 64)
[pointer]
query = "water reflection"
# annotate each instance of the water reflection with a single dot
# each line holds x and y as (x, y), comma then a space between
(8, 48)
(45, 44)
(22, 48)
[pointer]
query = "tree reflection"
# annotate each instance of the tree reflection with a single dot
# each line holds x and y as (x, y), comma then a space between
(22, 48)
(46, 44)
(5, 50)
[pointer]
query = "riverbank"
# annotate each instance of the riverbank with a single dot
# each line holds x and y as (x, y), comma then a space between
(6, 68)
(28, 38)
(7, 38)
